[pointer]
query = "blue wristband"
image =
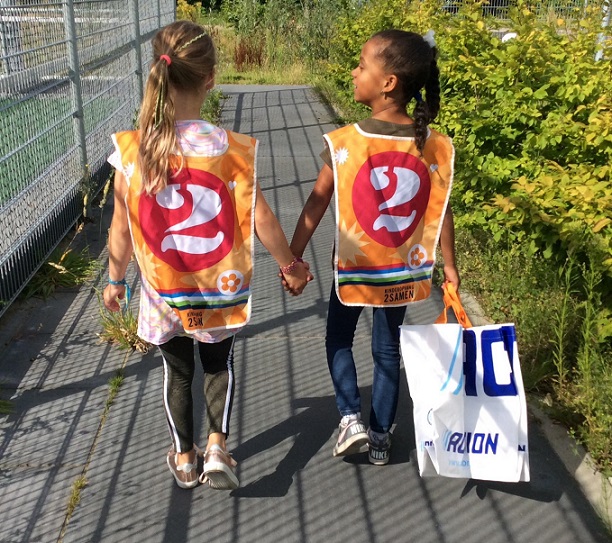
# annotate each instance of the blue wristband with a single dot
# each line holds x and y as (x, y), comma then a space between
(123, 283)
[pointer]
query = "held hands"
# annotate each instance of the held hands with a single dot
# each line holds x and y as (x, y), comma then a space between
(295, 276)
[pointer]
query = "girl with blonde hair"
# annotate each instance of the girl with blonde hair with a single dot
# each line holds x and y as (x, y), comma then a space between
(187, 205)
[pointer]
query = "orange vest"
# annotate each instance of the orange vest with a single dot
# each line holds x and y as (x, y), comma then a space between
(389, 209)
(194, 240)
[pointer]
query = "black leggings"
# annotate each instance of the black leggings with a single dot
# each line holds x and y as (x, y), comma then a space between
(179, 366)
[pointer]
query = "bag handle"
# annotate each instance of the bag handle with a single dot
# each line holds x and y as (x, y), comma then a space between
(451, 299)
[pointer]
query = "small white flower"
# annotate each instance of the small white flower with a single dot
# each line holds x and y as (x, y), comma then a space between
(342, 155)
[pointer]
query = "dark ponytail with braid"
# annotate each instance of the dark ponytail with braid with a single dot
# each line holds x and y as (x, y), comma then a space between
(413, 60)
(426, 110)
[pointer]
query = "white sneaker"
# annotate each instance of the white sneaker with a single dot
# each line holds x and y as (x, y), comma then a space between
(352, 436)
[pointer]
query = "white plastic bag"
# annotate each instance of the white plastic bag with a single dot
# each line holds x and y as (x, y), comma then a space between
(470, 411)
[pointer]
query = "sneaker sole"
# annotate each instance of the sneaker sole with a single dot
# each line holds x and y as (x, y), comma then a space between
(353, 445)
(180, 483)
(220, 477)
(378, 462)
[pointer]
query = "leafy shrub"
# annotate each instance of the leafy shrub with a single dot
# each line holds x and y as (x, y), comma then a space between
(532, 122)
(187, 11)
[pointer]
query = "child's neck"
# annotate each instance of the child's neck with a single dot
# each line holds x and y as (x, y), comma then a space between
(187, 105)
(391, 113)
(187, 112)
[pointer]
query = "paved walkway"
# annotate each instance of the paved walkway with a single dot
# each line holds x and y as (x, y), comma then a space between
(293, 490)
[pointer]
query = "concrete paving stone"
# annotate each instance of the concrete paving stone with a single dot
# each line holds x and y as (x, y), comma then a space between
(294, 142)
(77, 360)
(292, 489)
(246, 111)
(34, 500)
(287, 173)
(129, 480)
(44, 448)
(50, 427)
(59, 313)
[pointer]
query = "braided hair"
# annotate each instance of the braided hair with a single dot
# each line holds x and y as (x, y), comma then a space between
(414, 61)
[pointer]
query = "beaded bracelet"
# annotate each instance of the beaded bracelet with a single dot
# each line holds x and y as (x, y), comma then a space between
(123, 283)
(291, 266)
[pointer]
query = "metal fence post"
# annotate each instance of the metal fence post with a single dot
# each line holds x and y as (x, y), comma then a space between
(137, 46)
(74, 75)
(4, 47)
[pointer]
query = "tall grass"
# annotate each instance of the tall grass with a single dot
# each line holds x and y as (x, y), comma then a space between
(66, 268)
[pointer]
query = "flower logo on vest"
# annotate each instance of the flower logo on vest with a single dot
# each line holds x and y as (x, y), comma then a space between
(230, 282)
(128, 170)
(190, 224)
(342, 155)
(417, 256)
(390, 196)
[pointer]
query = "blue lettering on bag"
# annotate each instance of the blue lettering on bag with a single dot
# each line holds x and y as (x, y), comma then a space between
(466, 442)
(503, 334)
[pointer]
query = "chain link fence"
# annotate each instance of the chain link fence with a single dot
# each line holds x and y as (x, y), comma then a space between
(71, 73)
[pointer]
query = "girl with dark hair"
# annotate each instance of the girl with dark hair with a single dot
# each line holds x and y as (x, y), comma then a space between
(187, 204)
(391, 176)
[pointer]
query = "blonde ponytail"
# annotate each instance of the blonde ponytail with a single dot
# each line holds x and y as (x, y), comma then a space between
(183, 58)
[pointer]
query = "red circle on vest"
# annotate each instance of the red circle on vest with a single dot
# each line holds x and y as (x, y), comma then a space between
(390, 196)
(190, 224)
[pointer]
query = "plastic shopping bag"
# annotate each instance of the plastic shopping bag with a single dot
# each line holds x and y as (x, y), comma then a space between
(470, 411)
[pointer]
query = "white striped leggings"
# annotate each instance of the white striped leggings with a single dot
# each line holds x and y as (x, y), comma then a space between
(179, 367)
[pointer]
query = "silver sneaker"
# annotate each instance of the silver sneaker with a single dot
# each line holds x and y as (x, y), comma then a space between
(219, 469)
(186, 475)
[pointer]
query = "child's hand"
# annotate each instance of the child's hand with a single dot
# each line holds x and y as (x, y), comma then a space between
(110, 296)
(296, 280)
(451, 275)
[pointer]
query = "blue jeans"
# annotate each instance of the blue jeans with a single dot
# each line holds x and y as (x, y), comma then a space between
(341, 324)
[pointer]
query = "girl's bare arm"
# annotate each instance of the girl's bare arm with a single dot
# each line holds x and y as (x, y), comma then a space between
(119, 245)
(313, 211)
(447, 247)
(273, 238)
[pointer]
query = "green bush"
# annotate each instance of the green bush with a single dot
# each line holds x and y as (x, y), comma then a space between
(531, 119)
(532, 123)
